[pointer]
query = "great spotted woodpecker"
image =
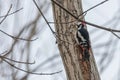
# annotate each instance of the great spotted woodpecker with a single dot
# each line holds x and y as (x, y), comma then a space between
(82, 38)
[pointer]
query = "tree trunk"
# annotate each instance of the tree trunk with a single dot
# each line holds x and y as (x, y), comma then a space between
(76, 69)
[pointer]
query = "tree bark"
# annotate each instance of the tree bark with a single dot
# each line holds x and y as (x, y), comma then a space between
(70, 52)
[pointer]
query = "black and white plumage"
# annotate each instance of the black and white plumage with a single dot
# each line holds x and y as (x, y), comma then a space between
(82, 36)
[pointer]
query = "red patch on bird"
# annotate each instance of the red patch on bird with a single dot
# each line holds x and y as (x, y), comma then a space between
(83, 23)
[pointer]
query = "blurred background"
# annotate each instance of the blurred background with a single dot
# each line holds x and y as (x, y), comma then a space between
(29, 24)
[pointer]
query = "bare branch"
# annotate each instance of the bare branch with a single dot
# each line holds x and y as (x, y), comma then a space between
(7, 33)
(48, 23)
(6, 14)
(43, 16)
(12, 13)
(91, 24)
(84, 13)
(30, 72)
(115, 34)
(17, 38)
(17, 61)
(93, 7)
(66, 22)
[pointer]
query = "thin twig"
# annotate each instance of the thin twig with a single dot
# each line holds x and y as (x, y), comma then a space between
(29, 71)
(17, 61)
(17, 38)
(115, 34)
(93, 7)
(12, 13)
(48, 23)
(91, 24)
(7, 33)
(65, 22)
(85, 12)
(6, 14)
(43, 17)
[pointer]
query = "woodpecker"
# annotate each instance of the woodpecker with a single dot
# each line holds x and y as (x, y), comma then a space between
(82, 38)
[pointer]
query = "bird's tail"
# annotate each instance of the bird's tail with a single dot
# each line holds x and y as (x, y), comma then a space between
(86, 54)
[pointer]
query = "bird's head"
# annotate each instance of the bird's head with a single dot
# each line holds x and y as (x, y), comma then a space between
(81, 25)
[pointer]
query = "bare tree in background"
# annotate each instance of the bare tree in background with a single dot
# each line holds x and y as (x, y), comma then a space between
(109, 49)
(17, 50)
(22, 30)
